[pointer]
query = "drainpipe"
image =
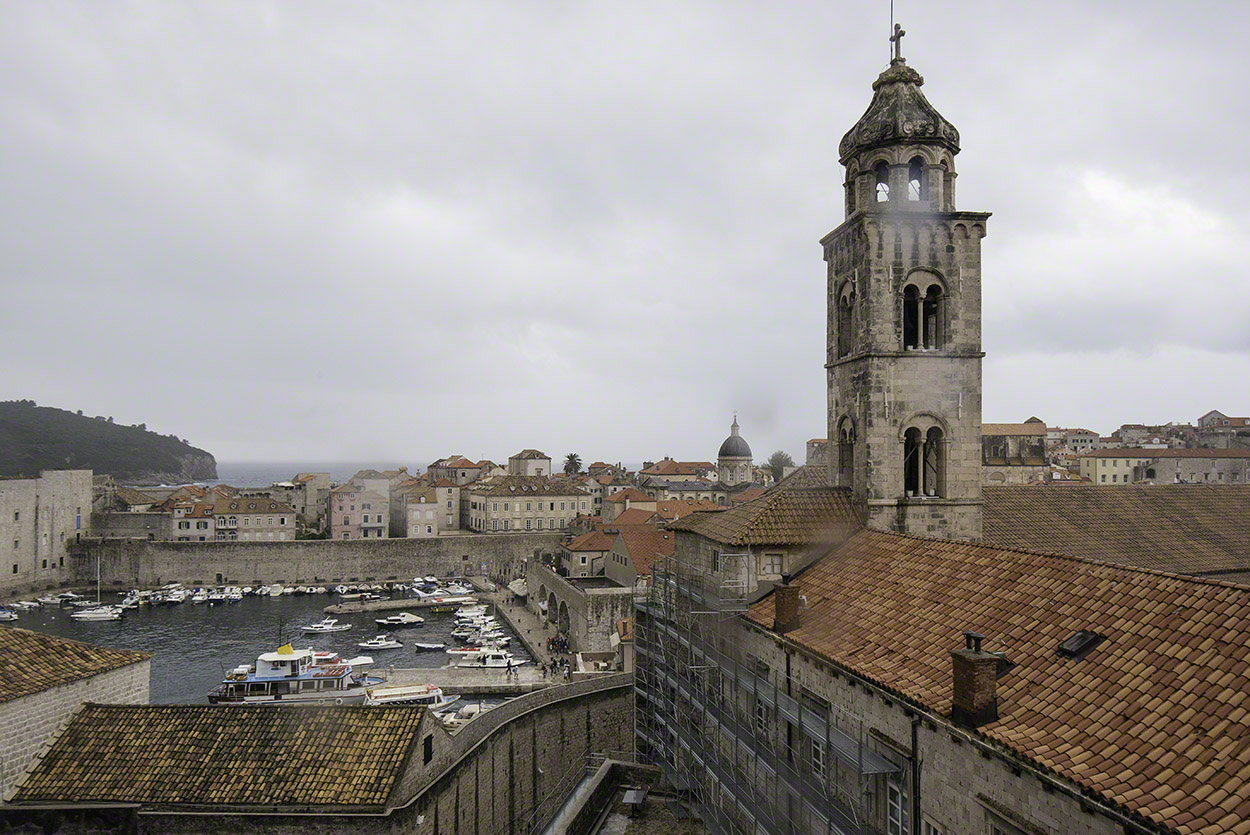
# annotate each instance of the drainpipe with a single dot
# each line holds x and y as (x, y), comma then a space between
(915, 775)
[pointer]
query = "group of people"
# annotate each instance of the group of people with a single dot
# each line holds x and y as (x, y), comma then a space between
(557, 644)
(558, 666)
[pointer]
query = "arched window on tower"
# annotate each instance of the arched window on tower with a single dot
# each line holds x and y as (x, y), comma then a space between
(913, 451)
(911, 318)
(882, 173)
(852, 182)
(932, 311)
(846, 452)
(948, 187)
(846, 321)
(915, 179)
(924, 462)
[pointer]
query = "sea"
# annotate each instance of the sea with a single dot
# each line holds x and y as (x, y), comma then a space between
(194, 646)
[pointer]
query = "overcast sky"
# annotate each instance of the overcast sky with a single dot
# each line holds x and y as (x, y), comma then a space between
(304, 231)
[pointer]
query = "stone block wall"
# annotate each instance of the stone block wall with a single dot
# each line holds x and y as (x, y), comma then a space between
(39, 518)
(128, 563)
(27, 723)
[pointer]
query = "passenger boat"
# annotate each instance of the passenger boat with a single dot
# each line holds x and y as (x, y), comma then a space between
(402, 619)
(381, 642)
(423, 695)
(424, 646)
(327, 625)
(489, 658)
(290, 676)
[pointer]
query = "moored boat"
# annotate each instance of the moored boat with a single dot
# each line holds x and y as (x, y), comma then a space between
(290, 676)
(424, 695)
(326, 625)
(381, 642)
(489, 658)
(400, 620)
(425, 646)
(98, 614)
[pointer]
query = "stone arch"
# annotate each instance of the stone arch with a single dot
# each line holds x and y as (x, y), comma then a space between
(562, 624)
(844, 437)
(552, 606)
(924, 421)
(923, 310)
(542, 592)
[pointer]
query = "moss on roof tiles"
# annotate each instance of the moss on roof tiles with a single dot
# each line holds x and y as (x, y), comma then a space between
(31, 662)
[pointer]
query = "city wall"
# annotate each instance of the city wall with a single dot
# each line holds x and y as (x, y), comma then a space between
(126, 563)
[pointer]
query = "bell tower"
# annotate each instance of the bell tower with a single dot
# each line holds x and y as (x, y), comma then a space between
(904, 330)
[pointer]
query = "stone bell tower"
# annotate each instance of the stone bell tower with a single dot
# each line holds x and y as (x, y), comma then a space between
(904, 333)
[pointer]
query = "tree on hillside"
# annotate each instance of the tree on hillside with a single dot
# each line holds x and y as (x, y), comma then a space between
(777, 463)
(572, 464)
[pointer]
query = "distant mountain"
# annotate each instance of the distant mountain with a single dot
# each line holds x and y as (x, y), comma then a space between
(34, 438)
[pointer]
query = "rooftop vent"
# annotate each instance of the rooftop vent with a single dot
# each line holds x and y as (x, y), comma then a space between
(1079, 644)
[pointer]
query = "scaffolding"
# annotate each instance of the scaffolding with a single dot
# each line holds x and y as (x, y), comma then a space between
(746, 755)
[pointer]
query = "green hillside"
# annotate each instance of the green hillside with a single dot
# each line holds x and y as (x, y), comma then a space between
(34, 438)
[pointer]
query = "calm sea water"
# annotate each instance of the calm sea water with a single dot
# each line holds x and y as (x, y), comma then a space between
(194, 646)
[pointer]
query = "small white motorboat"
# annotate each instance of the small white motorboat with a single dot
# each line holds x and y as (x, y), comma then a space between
(200, 596)
(100, 613)
(214, 597)
(24, 605)
(177, 596)
(327, 625)
(489, 658)
(381, 642)
(48, 600)
(275, 590)
(424, 695)
(424, 646)
(7, 615)
(400, 620)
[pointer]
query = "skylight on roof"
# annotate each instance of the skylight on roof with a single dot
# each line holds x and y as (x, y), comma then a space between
(1078, 644)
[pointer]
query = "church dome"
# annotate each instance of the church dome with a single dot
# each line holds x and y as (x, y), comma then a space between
(735, 446)
(898, 113)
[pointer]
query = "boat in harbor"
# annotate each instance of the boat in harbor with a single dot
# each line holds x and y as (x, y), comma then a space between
(7, 615)
(400, 620)
(290, 676)
(24, 605)
(326, 625)
(428, 647)
(489, 658)
(99, 613)
(422, 695)
(381, 642)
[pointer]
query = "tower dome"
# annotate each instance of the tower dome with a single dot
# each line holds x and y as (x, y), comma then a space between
(898, 113)
(735, 446)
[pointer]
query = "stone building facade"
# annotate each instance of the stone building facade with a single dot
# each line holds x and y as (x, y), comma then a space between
(356, 513)
(524, 503)
(1014, 453)
(904, 320)
(39, 517)
(1167, 466)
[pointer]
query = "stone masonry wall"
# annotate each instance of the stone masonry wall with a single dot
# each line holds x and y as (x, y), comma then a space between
(27, 723)
(129, 562)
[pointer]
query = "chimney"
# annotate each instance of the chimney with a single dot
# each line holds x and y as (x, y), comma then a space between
(786, 605)
(975, 698)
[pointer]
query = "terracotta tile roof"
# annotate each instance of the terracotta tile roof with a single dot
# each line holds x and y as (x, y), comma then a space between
(442, 482)
(1137, 452)
(131, 496)
(520, 486)
(676, 508)
(596, 540)
(530, 454)
(801, 516)
(808, 475)
(1154, 718)
(629, 494)
(226, 756)
(1013, 429)
(462, 464)
(31, 662)
(633, 516)
(645, 544)
(747, 495)
(1182, 528)
(670, 467)
(251, 504)
(818, 440)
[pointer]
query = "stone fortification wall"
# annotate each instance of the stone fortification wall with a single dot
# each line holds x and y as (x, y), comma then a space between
(589, 614)
(133, 562)
(143, 525)
(28, 722)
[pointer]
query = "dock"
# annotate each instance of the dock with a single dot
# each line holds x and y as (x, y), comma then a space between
(470, 682)
(452, 604)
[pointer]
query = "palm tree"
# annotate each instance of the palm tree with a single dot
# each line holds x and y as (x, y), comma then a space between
(572, 464)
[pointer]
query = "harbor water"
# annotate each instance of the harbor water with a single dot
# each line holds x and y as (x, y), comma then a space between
(193, 646)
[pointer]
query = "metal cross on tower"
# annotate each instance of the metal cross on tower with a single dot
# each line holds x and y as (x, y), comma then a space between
(897, 40)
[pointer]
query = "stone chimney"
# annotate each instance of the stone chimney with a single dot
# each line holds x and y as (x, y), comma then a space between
(785, 605)
(975, 698)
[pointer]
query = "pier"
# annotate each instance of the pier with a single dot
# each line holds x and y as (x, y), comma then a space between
(470, 682)
(452, 604)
